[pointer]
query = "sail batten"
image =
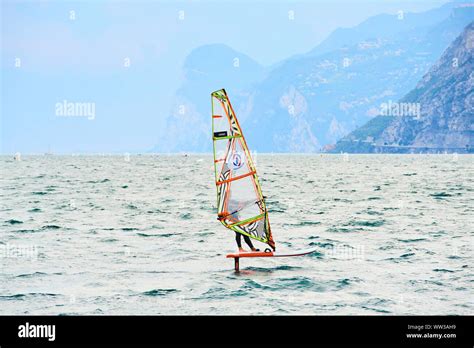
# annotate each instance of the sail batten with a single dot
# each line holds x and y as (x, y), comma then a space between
(227, 137)
(240, 202)
(235, 178)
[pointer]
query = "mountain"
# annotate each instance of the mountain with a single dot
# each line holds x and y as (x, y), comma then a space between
(444, 99)
(207, 68)
(383, 26)
(308, 101)
(313, 100)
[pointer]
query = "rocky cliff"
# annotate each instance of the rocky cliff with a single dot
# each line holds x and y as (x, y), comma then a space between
(437, 115)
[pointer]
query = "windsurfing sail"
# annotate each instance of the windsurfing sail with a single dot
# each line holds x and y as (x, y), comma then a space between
(240, 202)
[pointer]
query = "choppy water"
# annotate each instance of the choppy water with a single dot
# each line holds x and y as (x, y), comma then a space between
(103, 235)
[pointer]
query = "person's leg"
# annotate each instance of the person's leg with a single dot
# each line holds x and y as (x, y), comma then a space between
(249, 243)
(238, 239)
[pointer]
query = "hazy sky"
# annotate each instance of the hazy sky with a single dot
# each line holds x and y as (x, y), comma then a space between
(79, 52)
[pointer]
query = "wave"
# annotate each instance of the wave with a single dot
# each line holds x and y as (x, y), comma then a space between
(373, 212)
(375, 305)
(344, 229)
(321, 244)
(185, 216)
(272, 269)
(402, 257)
(31, 294)
(366, 223)
(50, 227)
(159, 292)
(14, 222)
(316, 255)
(298, 282)
(164, 235)
(156, 211)
(109, 240)
(35, 274)
(308, 223)
(440, 195)
(98, 181)
(411, 240)
(221, 293)
(25, 231)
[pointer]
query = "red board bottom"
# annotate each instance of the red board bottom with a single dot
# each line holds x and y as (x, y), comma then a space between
(271, 253)
(250, 254)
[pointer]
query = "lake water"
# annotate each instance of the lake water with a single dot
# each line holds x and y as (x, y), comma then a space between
(139, 235)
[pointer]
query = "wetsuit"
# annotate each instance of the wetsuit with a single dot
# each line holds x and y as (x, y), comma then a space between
(238, 239)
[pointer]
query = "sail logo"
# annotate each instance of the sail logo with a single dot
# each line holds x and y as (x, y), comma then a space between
(237, 161)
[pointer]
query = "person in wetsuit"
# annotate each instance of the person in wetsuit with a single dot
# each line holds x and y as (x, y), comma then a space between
(238, 239)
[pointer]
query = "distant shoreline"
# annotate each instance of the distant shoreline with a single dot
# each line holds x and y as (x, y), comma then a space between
(193, 154)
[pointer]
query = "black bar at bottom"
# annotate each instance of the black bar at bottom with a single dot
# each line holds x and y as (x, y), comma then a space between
(261, 330)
